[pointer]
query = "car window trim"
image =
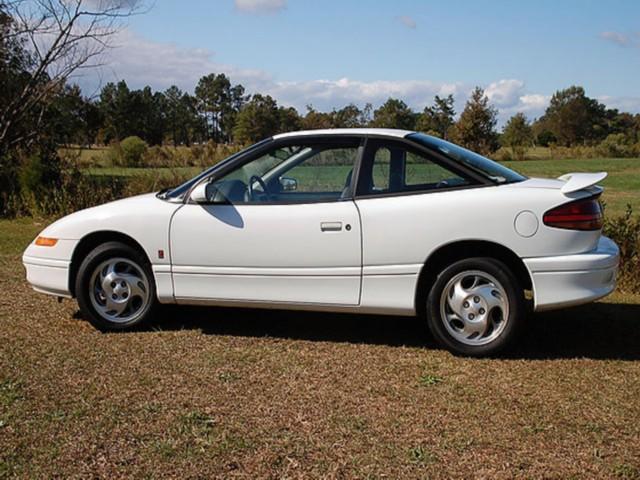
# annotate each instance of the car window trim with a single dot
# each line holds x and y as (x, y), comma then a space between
(437, 158)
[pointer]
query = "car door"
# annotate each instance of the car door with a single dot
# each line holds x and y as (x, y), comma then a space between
(281, 227)
(407, 202)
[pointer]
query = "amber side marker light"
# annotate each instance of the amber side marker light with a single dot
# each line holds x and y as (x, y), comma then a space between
(46, 242)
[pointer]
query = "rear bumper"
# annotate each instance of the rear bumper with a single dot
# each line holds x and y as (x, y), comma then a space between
(568, 280)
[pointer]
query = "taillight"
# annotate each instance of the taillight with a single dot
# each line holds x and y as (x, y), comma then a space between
(584, 214)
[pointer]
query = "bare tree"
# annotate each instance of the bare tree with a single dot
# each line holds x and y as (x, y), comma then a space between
(61, 37)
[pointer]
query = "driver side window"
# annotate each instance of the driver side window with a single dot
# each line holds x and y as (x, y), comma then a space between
(296, 173)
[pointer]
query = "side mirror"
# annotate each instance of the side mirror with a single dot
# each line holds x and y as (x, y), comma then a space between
(199, 194)
(288, 184)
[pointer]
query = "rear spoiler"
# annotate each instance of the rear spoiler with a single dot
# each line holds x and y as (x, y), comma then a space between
(579, 181)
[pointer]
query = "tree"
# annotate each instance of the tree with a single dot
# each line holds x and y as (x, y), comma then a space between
(43, 43)
(348, 117)
(475, 129)
(142, 113)
(220, 103)
(181, 117)
(315, 120)
(574, 118)
(437, 119)
(66, 116)
(146, 109)
(517, 135)
(394, 114)
(115, 106)
(623, 122)
(237, 98)
(258, 119)
(289, 119)
(174, 113)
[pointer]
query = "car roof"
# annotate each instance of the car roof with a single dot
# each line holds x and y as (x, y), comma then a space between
(388, 132)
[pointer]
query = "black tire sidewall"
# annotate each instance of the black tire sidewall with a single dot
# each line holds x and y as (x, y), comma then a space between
(515, 297)
(94, 258)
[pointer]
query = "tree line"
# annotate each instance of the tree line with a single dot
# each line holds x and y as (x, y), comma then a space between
(222, 112)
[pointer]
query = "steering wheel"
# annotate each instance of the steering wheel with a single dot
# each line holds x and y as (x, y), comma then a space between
(256, 178)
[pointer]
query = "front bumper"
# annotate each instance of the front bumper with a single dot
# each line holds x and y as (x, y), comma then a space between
(569, 280)
(48, 267)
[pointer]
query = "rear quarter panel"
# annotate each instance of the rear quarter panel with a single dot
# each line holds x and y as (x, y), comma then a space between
(406, 229)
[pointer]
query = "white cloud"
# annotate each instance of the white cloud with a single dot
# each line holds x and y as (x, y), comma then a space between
(533, 102)
(407, 21)
(616, 37)
(260, 6)
(328, 94)
(510, 97)
(624, 104)
(143, 62)
(505, 93)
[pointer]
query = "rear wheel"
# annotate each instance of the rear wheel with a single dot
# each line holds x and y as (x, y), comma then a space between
(115, 288)
(476, 307)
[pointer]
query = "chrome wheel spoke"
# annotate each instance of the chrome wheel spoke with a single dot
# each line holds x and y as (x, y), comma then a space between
(107, 280)
(114, 306)
(457, 297)
(136, 285)
(474, 329)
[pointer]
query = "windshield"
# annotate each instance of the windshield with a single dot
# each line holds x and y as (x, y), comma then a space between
(180, 190)
(488, 168)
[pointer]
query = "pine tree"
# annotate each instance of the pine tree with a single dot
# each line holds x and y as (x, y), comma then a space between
(517, 135)
(438, 119)
(475, 129)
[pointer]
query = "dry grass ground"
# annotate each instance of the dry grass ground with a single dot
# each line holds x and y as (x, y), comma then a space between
(206, 393)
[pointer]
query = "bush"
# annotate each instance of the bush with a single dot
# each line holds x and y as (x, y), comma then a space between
(577, 151)
(133, 149)
(616, 145)
(508, 154)
(32, 175)
(625, 231)
(157, 157)
(113, 155)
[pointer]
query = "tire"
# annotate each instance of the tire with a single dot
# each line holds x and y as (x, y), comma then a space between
(115, 287)
(476, 307)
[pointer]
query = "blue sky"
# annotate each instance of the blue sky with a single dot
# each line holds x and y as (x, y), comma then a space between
(328, 53)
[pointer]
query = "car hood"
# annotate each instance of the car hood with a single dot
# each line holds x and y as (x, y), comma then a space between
(125, 215)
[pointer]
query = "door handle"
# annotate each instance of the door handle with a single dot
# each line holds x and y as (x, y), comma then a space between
(331, 226)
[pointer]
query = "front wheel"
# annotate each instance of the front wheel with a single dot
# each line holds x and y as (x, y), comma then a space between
(476, 307)
(115, 287)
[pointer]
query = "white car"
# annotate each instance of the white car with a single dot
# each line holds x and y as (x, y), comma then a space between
(347, 220)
